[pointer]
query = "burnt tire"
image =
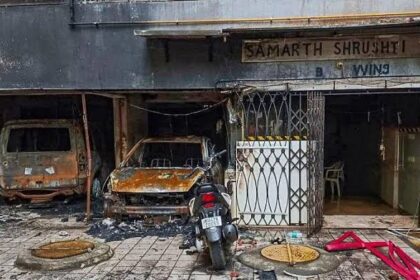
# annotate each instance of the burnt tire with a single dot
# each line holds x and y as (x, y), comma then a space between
(108, 213)
(217, 255)
(107, 209)
(96, 188)
(7, 201)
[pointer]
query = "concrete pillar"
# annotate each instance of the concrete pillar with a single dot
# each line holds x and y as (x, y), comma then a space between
(120, 106)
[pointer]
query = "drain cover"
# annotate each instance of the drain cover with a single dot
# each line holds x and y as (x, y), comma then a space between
(300, 253)
(63, 249)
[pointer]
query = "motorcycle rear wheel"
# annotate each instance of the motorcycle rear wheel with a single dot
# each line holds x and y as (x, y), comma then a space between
(217, 255)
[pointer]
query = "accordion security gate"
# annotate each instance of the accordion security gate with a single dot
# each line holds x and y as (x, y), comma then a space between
(279, 161)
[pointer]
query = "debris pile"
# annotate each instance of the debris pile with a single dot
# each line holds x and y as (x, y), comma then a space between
(12, 215)
(110, 230)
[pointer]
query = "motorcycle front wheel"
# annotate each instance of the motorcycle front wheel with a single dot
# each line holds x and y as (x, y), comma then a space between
(217, 255)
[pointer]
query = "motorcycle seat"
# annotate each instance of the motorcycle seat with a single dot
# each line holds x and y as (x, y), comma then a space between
(206, 188)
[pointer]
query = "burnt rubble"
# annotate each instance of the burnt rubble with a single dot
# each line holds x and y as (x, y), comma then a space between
(16, 215)
(111, 230)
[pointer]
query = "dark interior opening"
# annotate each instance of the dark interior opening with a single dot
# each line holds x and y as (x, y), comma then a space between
(210, 123)
(171, 154)
(38, 139)
(357, 133)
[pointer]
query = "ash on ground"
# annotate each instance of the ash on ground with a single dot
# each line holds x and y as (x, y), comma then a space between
(23, 210)
(110, 230)
(17, 215)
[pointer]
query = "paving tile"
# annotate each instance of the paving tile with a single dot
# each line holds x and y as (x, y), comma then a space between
(121, 269)
(167, 257)
(104, 266)
(142, 270)
(182, 264)
(84, 270)
(32, 276)
(199, 272)
(137, 252)
(137, 277)
(165, 263)
(200, 277)
(346, 269)
(372, 276)
(220, 277)
(93, 276)
(147, 263)
(178, 277)
(73, 276)
(150, 257)
(173, 251)
(127, 263)
(154, 251)
(5, 268)
(158, 277)
(329, 276)
(181, 270)
(185, 257)
(115, 276)
(55, 276)
(161, 270)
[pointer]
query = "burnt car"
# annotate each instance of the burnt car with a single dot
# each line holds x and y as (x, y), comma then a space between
(42, 159)
(157, 177)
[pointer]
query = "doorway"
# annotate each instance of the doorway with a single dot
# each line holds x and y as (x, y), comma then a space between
(365, 134)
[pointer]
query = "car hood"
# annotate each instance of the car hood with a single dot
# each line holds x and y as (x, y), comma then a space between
(144, 180)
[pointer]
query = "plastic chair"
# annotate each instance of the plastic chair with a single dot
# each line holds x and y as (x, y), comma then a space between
(334, 174)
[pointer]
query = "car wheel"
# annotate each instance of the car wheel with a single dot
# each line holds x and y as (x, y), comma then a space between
(96, 188)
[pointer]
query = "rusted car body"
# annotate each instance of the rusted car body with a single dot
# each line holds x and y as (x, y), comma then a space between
(157, 178)
(41, 159)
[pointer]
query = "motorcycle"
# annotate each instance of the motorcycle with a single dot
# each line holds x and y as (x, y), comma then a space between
(210, 207)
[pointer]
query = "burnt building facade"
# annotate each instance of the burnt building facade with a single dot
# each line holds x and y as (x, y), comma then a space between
(287, 87)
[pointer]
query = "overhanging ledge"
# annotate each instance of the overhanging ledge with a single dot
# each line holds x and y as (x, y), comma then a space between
(389, 84)
(224, 31)
(178, 34)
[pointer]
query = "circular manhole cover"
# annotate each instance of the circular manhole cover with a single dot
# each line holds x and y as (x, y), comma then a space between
(300, 253)
(63, 249)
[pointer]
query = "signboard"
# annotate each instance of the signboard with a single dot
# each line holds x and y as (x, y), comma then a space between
(302, 49)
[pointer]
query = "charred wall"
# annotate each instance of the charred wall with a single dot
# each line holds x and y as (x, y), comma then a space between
(39, 49)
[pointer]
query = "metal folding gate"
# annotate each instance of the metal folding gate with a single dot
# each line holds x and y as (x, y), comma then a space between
(279, 161)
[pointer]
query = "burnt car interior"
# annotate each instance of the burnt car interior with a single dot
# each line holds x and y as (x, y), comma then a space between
(38, 139)
(161, 154)
(210, 124)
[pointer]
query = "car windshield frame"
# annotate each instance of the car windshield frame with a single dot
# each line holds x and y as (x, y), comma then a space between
(142, 149)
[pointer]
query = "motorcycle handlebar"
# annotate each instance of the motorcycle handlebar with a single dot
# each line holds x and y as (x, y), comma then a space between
(216, 155)
(208, 167)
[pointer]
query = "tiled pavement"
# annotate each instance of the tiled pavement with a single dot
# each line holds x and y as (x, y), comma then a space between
(156, 258)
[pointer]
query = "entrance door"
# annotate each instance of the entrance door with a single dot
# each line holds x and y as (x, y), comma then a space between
(409, 188)
(279, 160)
(390, 166)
